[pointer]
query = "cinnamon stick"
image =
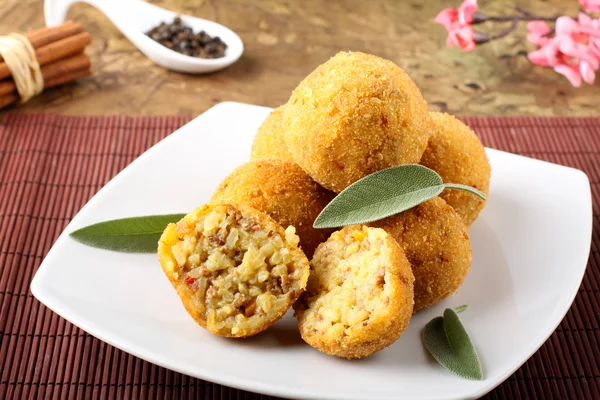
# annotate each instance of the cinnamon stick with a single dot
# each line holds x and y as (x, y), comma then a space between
(55, 51)
(38, 32)
(51, 71)
(51, 35)
(11, 98)
(71, 76)
(45, 36)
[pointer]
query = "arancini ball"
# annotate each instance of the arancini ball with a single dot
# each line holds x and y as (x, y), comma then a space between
(268, 142)
(235, 269)
(359, 295)
(282, 190)
(354, 115)
(436, 242)
(456, 153)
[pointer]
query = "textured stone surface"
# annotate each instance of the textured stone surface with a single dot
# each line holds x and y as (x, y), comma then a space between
(285, 40)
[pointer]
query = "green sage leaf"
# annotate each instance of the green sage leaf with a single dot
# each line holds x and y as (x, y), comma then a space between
(472, 190)
(380, 195)
(129, 235)
(461, 344)
(448, 342)
(460, 308)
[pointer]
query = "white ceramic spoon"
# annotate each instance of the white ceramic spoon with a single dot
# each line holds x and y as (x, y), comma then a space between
(135, 17)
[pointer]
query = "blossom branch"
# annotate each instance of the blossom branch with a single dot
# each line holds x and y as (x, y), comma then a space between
(571, 47)
(482, 38)
(481, 18)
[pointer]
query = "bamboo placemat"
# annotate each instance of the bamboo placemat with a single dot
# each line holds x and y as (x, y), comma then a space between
(50, 166)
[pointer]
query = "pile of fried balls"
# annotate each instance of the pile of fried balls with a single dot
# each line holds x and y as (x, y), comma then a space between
(239, 262)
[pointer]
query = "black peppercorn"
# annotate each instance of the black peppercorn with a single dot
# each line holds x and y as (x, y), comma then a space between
(181, 38)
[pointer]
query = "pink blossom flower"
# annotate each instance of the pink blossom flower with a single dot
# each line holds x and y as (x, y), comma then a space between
(448, 18)
(466, 11)
(589, 26)
(584, 27)
(575, 50)
(595, 47)
(591, 6)
(547, 55)
(570, 72)
(458, 24)
(538, 32)
(576, 72)
(463, 37)
(588, 71)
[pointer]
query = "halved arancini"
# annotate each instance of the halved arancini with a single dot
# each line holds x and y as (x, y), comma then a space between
(359, 297)
(235, 269)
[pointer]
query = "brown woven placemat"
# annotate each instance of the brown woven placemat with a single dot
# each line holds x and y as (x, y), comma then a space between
(50, 166)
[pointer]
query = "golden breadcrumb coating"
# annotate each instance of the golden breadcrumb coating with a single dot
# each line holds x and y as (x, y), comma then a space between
(436, 243)
(354, 115)
(282, 190)
(235, 269)
(455, 152)
(268, 142)
(359, 296)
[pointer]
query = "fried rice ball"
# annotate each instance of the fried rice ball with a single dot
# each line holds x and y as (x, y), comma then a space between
(354, 115)
(437, 245)
(268, 142)
(455, 152)
(282, 190)
(235, 269)
(359, 296)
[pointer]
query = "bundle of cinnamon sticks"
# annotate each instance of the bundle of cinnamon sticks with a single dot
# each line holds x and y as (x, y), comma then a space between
(59, 51)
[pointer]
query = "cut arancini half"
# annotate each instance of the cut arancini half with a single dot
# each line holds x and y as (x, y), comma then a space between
(359, 296)
(235, 269)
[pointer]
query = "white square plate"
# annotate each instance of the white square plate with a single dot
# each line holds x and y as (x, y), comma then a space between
(530, 249)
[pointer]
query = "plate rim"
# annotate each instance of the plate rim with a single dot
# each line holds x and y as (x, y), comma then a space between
(49, 301)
